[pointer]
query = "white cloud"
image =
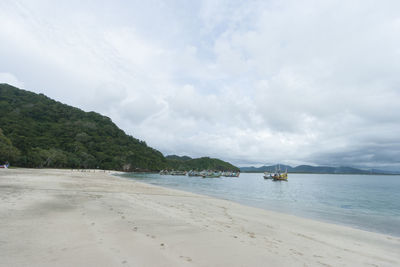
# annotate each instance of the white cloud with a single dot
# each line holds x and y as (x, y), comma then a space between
(10, 79)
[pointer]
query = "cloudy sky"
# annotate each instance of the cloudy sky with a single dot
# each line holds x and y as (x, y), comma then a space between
(250, 82)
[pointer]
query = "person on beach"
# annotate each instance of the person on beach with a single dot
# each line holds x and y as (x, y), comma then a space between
(5, 165)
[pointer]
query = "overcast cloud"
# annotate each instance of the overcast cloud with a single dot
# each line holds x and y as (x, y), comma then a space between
(251, 82)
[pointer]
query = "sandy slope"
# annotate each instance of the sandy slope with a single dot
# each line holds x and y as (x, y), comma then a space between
(65, 218)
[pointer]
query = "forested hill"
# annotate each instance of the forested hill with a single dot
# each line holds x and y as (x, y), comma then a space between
(205, 163)
(37, 131)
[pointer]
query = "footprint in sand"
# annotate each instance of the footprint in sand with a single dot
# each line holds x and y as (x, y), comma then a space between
(296, 252)
(251, 234)
(186, 258)
(324, 264)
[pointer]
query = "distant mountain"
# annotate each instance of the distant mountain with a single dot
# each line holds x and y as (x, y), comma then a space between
(377, 171)
(266, 168)
(315, 169)
(326, 169)
(205, 163)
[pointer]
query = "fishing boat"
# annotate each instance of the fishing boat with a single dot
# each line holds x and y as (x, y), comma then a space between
(277, 175)
(210, 174)
(164, 172)
(178, 173)
(231, 174)
(267, 175)
(194, 173)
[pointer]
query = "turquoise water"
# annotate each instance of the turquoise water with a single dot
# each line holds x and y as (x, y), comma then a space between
(368, 202)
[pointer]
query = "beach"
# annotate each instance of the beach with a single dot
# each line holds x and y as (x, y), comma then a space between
(54, 217)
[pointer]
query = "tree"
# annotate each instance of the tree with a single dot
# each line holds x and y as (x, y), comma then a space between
(7, 151)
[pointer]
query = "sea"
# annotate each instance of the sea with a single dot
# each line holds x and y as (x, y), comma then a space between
(367, 202)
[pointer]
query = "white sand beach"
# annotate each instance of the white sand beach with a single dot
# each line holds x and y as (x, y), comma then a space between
(71, 218)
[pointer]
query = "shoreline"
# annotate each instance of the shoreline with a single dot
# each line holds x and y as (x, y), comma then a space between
(250, 203)
(69, 218)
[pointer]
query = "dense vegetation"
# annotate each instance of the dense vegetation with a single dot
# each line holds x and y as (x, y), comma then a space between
(186, 163)
(7, 151)
(36, 131)
(40, 132)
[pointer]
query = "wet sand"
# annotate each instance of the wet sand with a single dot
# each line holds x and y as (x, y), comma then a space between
(72, 218)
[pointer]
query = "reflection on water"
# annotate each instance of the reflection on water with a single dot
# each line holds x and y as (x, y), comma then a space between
(370, 202)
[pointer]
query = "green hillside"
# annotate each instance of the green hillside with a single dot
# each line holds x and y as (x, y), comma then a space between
(36, 132)
(175, 157)
(40, 132)
(205, 163)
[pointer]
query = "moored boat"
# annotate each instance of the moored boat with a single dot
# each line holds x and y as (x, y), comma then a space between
(178, 173)
(210, 174)
(277, 175)
(280, 176)
(231, 174)
(267, 175)
(167, 172)
(194, 173)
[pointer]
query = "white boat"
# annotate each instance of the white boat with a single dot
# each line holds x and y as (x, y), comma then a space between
(210, 174)
(231, 174)
(267, 175)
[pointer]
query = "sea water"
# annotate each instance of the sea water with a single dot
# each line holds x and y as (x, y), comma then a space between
(368, 202)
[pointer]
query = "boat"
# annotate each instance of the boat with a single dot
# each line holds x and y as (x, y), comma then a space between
(231, 174)
(267, 175)
(210, 174)
(178, 173)
(194, 173)
(277, 175)
(164, 172)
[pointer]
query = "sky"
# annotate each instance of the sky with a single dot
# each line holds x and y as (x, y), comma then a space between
(250, 82)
